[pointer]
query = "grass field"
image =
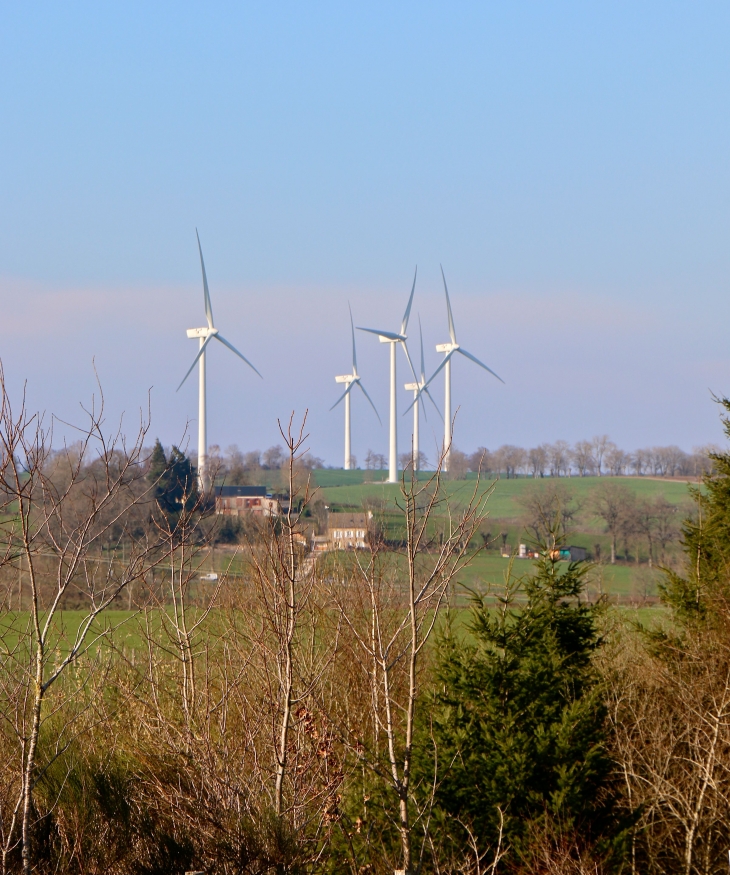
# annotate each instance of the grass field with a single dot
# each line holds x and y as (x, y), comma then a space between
(339, 489)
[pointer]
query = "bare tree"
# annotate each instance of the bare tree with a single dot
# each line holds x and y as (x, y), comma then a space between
(614, 503)
(601, 445)
(458, 465)
(537, 461)
(273, 458)
(390, 619)
(481, 461)
(549, 510)
(583, 459)
(65, 505)
(559, 458)
(617, 461)
(670, 714)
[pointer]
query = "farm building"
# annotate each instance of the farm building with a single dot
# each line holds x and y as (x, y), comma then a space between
(235, 500)
(347, 531)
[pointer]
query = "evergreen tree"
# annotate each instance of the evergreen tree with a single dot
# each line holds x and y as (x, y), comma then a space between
(157, 470)
(174, 480)
(182, 485)
(519, 724)
(706, 541)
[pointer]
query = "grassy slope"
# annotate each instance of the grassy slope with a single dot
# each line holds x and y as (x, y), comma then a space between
(344, 489)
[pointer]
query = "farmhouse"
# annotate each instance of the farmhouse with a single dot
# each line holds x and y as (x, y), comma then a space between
(347, 531)
(236, 500)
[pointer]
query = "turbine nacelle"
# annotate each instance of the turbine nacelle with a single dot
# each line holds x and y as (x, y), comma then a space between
(346, 378)
(201, 332)
(412, 387)
(447, 347)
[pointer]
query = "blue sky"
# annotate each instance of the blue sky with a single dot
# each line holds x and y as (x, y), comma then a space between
(566, 162)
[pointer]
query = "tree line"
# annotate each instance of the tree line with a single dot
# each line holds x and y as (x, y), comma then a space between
(597, 457)
(586, 458)
(340, 715)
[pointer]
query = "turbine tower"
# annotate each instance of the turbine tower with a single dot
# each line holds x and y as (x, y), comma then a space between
(394, 340)
(418, 388)
(205, 335)
(449, 349)
(351, 380)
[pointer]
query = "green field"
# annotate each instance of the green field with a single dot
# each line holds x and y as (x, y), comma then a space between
(345, 489)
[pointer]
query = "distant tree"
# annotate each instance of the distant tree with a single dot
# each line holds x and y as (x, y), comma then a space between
(701, 461)
(583, 459)
(646, 523)
(157, 463)
(216, 464)
(601, 445)
(481, 460)
(614, 503)
(273, 458)
(252, 460)
(511, 459)
(548, 507)
(404, 460)
(667, 524)
(458, 464)
(558, 458)
(617, 461)
(537, 460)
(173, 480)
(641, 462)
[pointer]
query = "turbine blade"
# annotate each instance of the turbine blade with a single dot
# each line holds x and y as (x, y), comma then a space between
(370, 400)
(435, 373)
(424, 410)
(428, 392)
(423, 365)
(233, 349)
(389, 334)
(206, 293)
(349, 387)
(405, 350)
(407, 314)
(354, 352)
(452, 332)
(428, 382)
(481, 364)
(195, 360)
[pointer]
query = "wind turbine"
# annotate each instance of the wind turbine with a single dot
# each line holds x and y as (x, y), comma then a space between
(205, 335)
(418, 388)
(449, 349)
(351, 380)
(394, 340)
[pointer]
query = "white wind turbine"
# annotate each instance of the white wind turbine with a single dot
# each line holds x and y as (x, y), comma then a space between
(418, 388)
(394, 340)
(449, 349)
(351, 380)
(205, 335)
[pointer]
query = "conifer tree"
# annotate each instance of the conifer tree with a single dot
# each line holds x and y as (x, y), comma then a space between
(519, 723)
(706, 541)
(157, 470)
(174, 480)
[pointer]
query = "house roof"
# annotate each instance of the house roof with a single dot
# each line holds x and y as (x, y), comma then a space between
(347, 520)
(239, 491)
